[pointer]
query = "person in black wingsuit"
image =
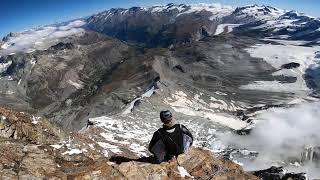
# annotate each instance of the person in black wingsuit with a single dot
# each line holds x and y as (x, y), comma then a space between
(170, 140)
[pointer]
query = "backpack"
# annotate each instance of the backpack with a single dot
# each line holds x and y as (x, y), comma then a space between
(177, 142)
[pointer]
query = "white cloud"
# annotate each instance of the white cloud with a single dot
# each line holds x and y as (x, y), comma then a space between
(281, 135)
(40, 38)
(73, 24)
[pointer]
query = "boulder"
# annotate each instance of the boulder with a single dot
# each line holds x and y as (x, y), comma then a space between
(291, 65)
(42, 162)
(21, 125)
(202, 164)
(279, 173)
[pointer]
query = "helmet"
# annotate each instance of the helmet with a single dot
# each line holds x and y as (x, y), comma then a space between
(165, 115)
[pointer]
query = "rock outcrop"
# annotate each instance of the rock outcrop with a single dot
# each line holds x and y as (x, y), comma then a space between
(33, 161)
(279, 173)
(32, 148)
(23, 126)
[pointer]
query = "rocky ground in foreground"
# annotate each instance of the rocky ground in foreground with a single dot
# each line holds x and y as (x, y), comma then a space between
(29, 150)
(33, 148)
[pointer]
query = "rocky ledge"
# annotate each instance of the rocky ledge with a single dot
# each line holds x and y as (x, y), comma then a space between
(20, 161)
(29, 149)
(34, 148)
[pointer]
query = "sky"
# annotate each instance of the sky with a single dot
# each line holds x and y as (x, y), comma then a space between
(19, 15)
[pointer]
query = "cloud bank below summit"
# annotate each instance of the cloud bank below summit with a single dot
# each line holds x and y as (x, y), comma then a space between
(281, 135)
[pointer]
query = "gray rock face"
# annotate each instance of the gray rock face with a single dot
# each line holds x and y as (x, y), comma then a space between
(95, 75)
(311, 154)
(278, 173)
(152, 28)
(65, 75)
(217, 64)
(6, 130)
(312, 78)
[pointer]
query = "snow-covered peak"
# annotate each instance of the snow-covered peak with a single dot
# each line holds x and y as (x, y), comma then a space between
(168, 7)
(11, 34)
(182, 8)
(217, 10)
(260, 12)
(110, 13)
(291, 25)
(296, 15)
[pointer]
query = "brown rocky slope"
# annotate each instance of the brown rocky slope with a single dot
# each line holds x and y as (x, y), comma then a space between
(29, 149)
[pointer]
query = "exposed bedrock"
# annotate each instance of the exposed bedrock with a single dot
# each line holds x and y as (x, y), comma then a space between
(95, 75)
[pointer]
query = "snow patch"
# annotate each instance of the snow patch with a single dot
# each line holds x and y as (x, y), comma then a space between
(5, 66)
(286, 42)
(229, 27)
(5, 46)
(9, 78)
(122, 132)
(217, 10)
(158, 9)
(221, 93)
(183, 104)
(130, 107)
(57, 146)
(91, 146)
(77, 85)
(72, 151)
(298, 87)
(138, 149)
(277, 55)
(108, 146)
(183, 172)
(35, 119)
(276, 86)
(278, 24)
(112, 138)
(148, 93)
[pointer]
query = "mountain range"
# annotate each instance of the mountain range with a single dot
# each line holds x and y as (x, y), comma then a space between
(219, 69)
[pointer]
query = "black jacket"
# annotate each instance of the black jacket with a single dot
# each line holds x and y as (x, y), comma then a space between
(169, 142)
